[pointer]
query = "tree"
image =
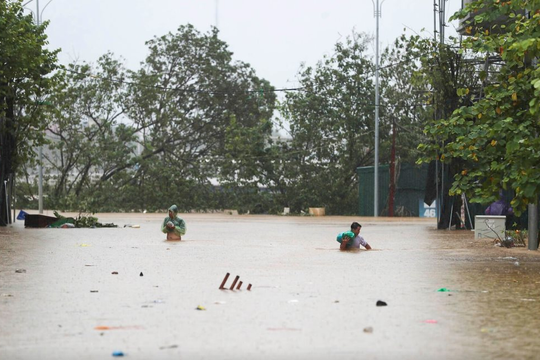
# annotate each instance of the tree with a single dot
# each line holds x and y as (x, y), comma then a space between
(126, 140)
(405, 96)
(442, 71)
(248, 167)
(24, 82)
(89, 141)
(331, 125)
(496, 136)
(185, 102)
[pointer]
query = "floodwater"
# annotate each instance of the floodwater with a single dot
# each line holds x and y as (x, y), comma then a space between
(308, 300)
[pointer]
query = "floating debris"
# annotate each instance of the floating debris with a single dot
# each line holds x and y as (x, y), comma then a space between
(168, 347)
(78, 222)
(444, 290)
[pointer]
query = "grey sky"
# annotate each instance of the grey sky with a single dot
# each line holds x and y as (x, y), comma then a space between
(274, 36)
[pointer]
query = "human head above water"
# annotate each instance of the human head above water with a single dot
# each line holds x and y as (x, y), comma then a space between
(174, 210)
(355, 228)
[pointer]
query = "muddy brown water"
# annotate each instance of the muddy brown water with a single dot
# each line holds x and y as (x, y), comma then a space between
(308, 300)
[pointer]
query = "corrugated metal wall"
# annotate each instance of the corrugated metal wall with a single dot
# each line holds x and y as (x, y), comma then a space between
(410, 188)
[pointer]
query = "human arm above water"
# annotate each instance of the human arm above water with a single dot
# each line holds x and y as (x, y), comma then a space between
(176, 225)
(344, 243)
(180, 228)
(164, 227)
(362, 241)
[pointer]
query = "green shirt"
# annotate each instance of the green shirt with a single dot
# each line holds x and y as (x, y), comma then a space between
(179, 226)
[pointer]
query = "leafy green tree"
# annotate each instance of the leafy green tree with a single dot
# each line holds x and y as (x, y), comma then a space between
(24, 84)
(124, 140)
(331, 126)
(496, 136)
(442, 71)
(90, 139)
(406, 95)
(249, 167)
(187, 100)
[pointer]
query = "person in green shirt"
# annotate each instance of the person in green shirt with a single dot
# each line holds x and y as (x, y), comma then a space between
(173, 226)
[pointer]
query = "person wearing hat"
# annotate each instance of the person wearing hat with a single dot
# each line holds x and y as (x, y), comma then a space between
(351, 240)
(173, 226)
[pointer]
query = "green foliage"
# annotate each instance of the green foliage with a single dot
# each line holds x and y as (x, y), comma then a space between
(496, 136)
(331, 125)
(406, 96)
(134, 140)
(193, 127)
(24, 82)
(88, 136)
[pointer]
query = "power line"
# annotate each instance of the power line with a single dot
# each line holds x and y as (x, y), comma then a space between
(164, 88)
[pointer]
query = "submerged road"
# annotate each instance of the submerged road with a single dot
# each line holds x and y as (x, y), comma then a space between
(59, 298)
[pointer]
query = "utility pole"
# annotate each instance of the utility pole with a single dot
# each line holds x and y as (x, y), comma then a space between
(40, 165)
(377, 13)
(392, 194)
(40, 184)
(439, 9)
(533, 208)
(533, 226)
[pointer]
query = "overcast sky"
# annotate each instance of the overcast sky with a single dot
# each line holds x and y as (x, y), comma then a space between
(273, 36)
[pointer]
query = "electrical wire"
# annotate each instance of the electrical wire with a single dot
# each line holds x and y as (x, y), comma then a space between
(126, 82)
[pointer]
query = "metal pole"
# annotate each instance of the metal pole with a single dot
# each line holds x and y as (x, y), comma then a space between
(391, 198)
(40, 165)
(468, 211)
(7, 202)
(40, 184)
(376, 160)
(13, 196)
(40, 152)
(451, 214)
(533, 226)
(438, 201)
(442, 18)
(533, 208)
(435, 20)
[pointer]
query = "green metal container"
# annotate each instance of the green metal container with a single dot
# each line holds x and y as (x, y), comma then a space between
(409, 193)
